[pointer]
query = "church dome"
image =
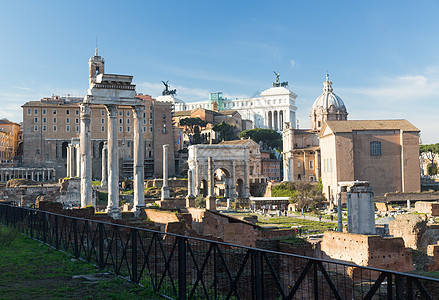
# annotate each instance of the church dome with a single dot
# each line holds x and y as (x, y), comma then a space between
(328, 106)
(328, 101)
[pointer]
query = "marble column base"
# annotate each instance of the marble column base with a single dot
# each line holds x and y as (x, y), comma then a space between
(137, 210)
(190, 201)
(165, 192)
(115, 213)
(210, 203)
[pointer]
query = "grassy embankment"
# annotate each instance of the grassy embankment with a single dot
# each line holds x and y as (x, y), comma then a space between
(32, 270)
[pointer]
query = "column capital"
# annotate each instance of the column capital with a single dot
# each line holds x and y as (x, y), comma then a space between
(85, 110)
(111, 110)
(138, 111)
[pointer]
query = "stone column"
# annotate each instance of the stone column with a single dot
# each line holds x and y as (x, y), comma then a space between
(85, 150)
(68, 162)
(78, 161)
(1, 176)
(139, 159)
(210, 199)
(113, 164)
(317, 165)
(246, 186)
(233, 185)
(165, 188)
(104, 179)
(33, 175)
(71, 159)
(38, 175)
(190, 199)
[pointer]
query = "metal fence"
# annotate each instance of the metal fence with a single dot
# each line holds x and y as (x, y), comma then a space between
(182, 267)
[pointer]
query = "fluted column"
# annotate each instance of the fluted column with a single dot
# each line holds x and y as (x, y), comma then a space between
(246, 180)
(190, 199)
(85, 150)
(78, 161)
(70, 160)
(210, 199)
(165, 188)
(113, 164)
(104, 179)
(139, 158)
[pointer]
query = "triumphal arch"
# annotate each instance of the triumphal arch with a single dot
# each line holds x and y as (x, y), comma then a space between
(110, 91)
(205, 160)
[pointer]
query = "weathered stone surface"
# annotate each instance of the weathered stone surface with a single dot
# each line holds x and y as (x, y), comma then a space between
(411, 228)
(429, 208)
(367, 250)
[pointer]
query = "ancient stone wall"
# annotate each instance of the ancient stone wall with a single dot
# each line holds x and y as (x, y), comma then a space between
(367, 250)
(429, 208)
(401, 197)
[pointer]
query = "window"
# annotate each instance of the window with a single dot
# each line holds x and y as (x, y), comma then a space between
(35, 111)
(77, 121)
(129, 144)
(54, 127)
(77, 112)
(68, 128)
(128, 121)
(298, 164)
(150, 129)
(128, 128)
(44, 128)
(375, 148)
(68, 120)
(35, 127)
(67, 111)
(144, 129)
(44, 120)
(120, 121)
(103, 128)
(37, 151)
(35, 120)
(102, 121)
(44, 111)
(54, 112)
(150, 115)
(144, 115)
(150, 121)
(144, 121)
(77, 128)
(311, 165)
(54, 120)
(128, 113)
(102, 112)
(120, 128)
(120, 112)
(29, 111)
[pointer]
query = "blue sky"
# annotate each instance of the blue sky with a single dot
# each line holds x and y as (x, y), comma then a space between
(382, 56)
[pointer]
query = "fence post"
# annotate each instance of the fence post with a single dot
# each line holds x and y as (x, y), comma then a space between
(257, 280)
(399, 285)
(56, 233)
(75, 239)
(181, 241)
(134, 255)
(316, 281)
(101, 245)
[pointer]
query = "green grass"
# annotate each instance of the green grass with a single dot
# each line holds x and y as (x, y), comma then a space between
(31, 270)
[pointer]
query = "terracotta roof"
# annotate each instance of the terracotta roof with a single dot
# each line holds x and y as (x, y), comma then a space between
(353, 125)
(238, 142)
(6, 121)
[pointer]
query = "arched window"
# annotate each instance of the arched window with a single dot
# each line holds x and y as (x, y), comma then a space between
(375, 148)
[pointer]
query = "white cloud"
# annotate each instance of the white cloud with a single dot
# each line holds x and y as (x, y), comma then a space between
(292, 63)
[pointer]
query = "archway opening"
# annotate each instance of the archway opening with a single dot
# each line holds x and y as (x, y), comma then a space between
(240, 188)
(203, 188)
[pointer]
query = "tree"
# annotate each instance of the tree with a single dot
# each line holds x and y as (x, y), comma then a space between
(193, 127)
(307, 195)
(432, 169)
(268, 137)
(431, 151)
(226, 131)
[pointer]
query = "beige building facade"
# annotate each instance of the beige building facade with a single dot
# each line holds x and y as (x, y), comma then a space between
(384, 152)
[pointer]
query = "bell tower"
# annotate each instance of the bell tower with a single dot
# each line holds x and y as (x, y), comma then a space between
(96, 66)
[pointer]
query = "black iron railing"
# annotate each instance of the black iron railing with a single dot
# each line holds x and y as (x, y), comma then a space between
(182, 267)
